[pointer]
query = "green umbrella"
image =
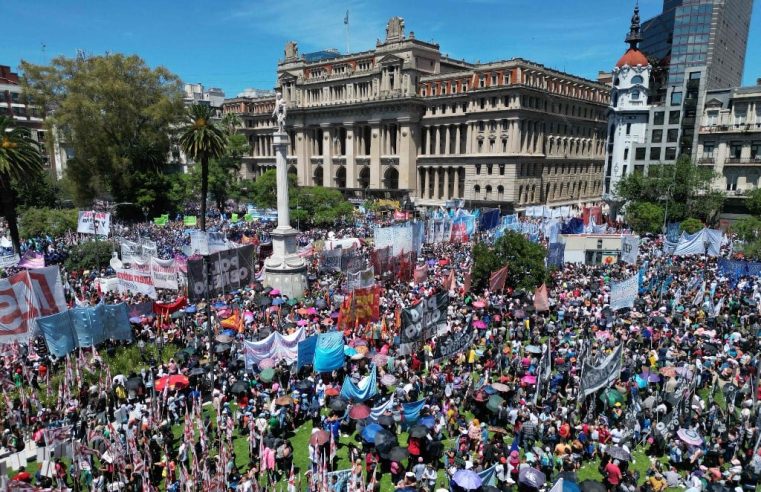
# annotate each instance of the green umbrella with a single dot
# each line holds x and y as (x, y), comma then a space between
(189, 350)
(178, 314)
(293, 302)
(611, 397)
(495, 401)
(267, 375)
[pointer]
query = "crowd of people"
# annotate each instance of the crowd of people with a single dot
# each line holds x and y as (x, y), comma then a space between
(508, 411)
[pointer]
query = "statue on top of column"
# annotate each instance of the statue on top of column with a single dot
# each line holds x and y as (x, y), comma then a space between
(280, 112)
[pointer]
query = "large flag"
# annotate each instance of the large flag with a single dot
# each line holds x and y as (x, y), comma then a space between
(594, 378)
(700, 295)
(629, 249)
(497, 279)
(541, 299)
(190, 220)
(622, 294)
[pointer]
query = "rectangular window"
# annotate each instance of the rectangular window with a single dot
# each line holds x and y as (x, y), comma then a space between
(658, 117)
(628, 128)
(655, 153)
(489, 168)
(482, 102)
(503, 125)
(736, 150)
(670, 153)
(731, 183)
(626, 154)
(694, 75)
(657, 136)
(639, 153)
(674, 117)
(676, 98)
(480, 126)
(672, 135)
(708, 149)
(755, 150)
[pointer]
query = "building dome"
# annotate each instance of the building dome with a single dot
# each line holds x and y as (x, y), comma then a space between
(633, 57)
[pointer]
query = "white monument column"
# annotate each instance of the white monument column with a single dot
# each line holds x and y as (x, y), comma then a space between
(285, 270)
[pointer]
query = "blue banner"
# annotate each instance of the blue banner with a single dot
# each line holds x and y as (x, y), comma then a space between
(489, 220)
(306, 351)
(329, 352)
(85, 327)
(556, 255)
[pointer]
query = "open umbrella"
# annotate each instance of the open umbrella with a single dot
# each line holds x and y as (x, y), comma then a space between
(319, 438)
(668, 371)
(690, 437)
(479, 324)
(334, 391)
(222, 347)
(302, 386)
(480, 396)
(284, 401)
(611, 396)
(429, 421)
(501, 387)
(176, 381)
(359, 412)
(267, 375)
(618, 453)
(467, 479)
(338, 404)
(134, 383)
(369, 432)
(385, 440)
(528, 379)
(592, 486)
(495, 401)
(197, 371)
(388, 380)
(531, 477)
(224, 338)
(533, 349)
(650, 377)
(267, 363)
(386, 421)
(397, 454)
(239, 388)
(418, 431)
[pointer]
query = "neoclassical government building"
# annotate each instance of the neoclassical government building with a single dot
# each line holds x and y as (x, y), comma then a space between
(403, 120)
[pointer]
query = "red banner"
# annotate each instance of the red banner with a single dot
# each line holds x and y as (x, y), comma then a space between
(27, 296)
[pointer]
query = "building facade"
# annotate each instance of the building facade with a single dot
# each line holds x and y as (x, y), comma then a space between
(729, 140)
(402, 120)
(14, 105)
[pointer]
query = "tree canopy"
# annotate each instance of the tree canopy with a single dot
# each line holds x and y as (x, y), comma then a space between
(117, 114)
(525, 261)
(645, 217)
(684, 188)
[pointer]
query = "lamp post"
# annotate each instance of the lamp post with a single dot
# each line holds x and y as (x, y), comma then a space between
(666, 199)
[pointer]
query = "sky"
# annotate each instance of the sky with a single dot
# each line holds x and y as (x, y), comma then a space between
(235, 44)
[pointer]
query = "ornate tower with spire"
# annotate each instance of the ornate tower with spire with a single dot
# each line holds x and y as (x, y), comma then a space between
(628, 111)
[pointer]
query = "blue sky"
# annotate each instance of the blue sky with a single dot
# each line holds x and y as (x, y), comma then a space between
(234, 44)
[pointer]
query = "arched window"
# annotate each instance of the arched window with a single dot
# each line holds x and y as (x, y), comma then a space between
(520, 194)
(487, 195)
(500, 192)
(637, 79)
(292, 170)
(391, 178)
(341, 177)
(615, 99)
(635, 95)
(477, 192)
(317, 176)
(364, 178)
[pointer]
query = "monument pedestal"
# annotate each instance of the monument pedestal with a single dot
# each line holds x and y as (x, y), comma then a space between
(285, 270)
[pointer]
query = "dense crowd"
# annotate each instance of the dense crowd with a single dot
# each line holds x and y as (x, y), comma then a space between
(508, 406)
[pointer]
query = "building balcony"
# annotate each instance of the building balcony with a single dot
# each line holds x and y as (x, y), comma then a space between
(738, 128)
(743, 161)
(707, 160)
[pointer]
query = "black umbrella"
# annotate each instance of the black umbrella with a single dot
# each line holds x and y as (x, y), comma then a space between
(181, 356)
(489, 488)
(263, 301)
(134, 383)
(302, 386)
(385, 440)
(418, 431)
(710, 349)
(397, 454)
(197, 371)
(338, 404)
(386, 421)
(221, 347)
(618, 453)
(239, 388)
(591, 486)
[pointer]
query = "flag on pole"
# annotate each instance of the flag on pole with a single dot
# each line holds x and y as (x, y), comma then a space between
(700, 295)
(497, 279)
(346, 18)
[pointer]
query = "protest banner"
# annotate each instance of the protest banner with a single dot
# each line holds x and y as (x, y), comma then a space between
(422, 321)
(164, 274)
(629, 249)
(623, 294)
(91, 222)
(27, 296)
(137, 282)
(597, 377)
(453, 343)
(228, 270)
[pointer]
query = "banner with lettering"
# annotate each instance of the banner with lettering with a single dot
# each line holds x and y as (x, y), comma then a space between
(594, 378)
(229, 270)
(131, 252)
(453, 343)
(27, 296)
(136, 282)
(629, 249)
(623, 294)
(91, 222)
(423, 321)
(8, 260)
(164, 274)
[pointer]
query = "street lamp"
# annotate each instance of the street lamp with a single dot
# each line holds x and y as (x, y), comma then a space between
(666, 198)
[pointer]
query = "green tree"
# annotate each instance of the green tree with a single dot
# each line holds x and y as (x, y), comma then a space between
(20, 159)
(684, 188)
(525, 261)
(691, 225)
(748, 229)
(41, 221)
(645, 217)
(264, 190)
(92, 254)
(117, 114)
(202, 140)
(38, 189)
(320, 206)
(753, 201)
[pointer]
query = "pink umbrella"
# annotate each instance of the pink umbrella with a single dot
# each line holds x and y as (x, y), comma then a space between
(602, 335)
(479, 324)
(311, 310)
(267, 363)
(529, 379)
(302, 322)
(275, 292)
(479, 304)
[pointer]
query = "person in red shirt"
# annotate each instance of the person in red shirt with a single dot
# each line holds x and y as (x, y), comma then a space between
(23, 476)
(612, 476)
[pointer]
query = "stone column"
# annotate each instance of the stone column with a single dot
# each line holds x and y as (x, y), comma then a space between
(437, 129)
(327, 155)
(446, 183)
(375, 153)
(406, 149)
(351, 166)
(302, 156)
(431, 182)
(447, 139)
(457, 149)
(436, 181)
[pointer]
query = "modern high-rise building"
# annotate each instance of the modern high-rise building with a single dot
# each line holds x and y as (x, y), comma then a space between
(403, 120)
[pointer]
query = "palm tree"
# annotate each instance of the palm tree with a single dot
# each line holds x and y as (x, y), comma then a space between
(20, 159)
(202, 140)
